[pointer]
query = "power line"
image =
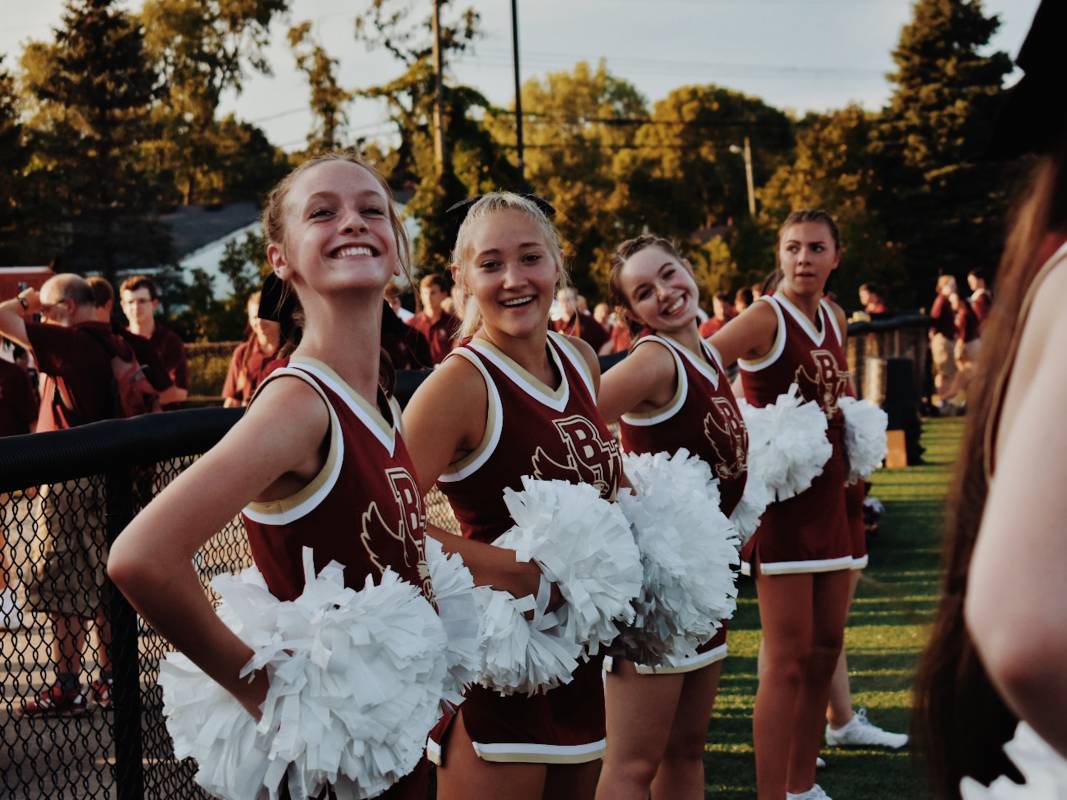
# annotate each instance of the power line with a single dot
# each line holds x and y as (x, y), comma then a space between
(670, 68)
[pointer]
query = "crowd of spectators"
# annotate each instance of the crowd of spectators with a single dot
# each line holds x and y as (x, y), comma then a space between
(84, 359)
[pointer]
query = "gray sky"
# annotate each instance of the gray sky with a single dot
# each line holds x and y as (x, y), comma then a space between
(795, 54)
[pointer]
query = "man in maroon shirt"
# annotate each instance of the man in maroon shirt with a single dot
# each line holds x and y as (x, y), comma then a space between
(574, 322)
(145, 352)
(18, 413)
(433, 322)
(943, 337)
(967, 344)
(253, 358)
(871, 299)
(140, 301)
(74, 352)
(722, 311)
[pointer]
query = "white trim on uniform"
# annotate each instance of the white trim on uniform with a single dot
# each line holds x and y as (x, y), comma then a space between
(577, 360)
(816, 336)
(555, 399)
(824, 304)
(433, 752)
(713, 351)
(305, 500)
(699, 661)
(398, 414)
(757, 364)
(527, 752)
(860, 563)
(531, 753)
(814, 565)
(703, 367)
(370, 416)
(674, 405)
(494, 425)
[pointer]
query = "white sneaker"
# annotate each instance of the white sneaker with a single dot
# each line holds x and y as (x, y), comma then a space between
(814, 793)
(861, 732)
(10, 615)
(820, 763)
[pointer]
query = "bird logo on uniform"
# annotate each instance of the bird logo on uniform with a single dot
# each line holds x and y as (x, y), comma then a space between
(588, 459)
(724, 418)
(829, 382)
(409, 520)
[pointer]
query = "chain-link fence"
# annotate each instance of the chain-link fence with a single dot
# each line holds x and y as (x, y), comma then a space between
(63, 497)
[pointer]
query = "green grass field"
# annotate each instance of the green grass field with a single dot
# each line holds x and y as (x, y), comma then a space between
(893, 606)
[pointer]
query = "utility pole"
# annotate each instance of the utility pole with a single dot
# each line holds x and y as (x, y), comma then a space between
(748, 179)
(746, 153)
(518, 87)
(439, 96)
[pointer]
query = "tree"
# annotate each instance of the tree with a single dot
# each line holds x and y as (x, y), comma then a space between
(580, 137)
(474, 163)
(328, 98)
(205, 317)
(944, 208)
(13, 160)
(833, 170)
(690, 135)
(93, 89)
(201, 48)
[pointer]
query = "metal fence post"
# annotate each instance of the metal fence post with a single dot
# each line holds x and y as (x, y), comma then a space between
(126, 701)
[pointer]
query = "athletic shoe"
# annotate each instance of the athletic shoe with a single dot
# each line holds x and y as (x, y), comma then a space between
(820, 762)
(814, 793)
(54, 702)
(861, 732)
(10, 614)
(100, 691)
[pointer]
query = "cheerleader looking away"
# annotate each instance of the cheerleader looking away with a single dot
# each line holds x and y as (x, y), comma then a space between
(512, 400)
(317, 460)
(801, 553)
(670, 392)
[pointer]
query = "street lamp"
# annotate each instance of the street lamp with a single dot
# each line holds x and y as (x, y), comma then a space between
(746, 151)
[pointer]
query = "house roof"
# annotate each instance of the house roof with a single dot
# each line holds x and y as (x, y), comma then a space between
(193, 227)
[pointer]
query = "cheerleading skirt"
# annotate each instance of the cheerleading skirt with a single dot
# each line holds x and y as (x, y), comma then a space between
(711, 652)
(809, 532)
(562, 726)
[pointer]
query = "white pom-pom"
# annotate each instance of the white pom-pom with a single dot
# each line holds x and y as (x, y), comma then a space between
(688, 551)
(461, 614)
(355, 682)
(865, 442)
(749, 509)
(787, 440)
(206, 723)
(584, 544)
(524, 655)
(1044, 772)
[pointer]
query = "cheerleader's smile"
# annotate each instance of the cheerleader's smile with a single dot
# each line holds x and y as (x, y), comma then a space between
(661, 290)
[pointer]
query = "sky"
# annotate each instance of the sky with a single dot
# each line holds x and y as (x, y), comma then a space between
(799, 55)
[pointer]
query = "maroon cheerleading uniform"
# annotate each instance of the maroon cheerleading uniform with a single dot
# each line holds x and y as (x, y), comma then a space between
(702, 417)
(548, 434)
(808, 532)
(363, 510)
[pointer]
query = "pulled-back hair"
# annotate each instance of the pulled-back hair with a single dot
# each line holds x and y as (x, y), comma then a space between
(807, 215)
(273, 217)
(273, 221)
(485, 206)
(627, 250)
